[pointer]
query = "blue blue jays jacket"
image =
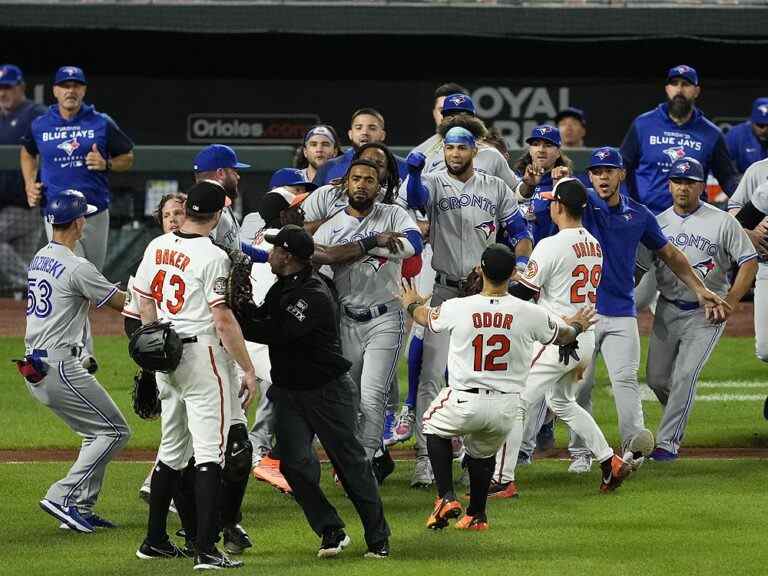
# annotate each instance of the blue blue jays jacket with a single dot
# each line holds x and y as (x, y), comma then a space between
(337, 168)
(13, 126)
(655, 141)
(62, 146)
(744, 147)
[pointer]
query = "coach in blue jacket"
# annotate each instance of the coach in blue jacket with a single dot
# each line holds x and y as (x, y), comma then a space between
(748, 142)
(674, 130)
(74, 147)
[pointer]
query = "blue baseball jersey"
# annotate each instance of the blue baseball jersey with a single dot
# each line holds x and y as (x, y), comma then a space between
(337, 168)
(62, 146)
(620, 230)
(744, 147)
(655, 141)
(536, 210)
(13, 126)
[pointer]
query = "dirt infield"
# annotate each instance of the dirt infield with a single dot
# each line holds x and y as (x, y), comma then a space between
(107, 322)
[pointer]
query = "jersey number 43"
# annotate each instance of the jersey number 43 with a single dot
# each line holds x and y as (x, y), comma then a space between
(580, 292)
(176, 283)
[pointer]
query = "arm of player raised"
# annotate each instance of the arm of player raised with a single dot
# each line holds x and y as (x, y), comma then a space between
(417, 193)
(257, 255)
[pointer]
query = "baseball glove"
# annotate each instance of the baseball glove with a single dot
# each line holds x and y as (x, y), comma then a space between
(472, 285)
(146, 398)
(239, 289)
(568, 351)
(156, 347)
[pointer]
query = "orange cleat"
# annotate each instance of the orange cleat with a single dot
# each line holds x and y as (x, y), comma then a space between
(268, 470)
(505, 490)
(446, 508)
(619, 472)
(476, 523)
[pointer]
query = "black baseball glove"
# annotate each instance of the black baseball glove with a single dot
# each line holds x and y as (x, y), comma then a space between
(568, 351)
(146, 398)
(156, 347)
(472, 285)
(239, 289)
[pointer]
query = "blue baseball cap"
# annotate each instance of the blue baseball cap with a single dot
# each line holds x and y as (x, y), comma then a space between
(290, 177)
(545, 132)
(459, 135)
(69, 74)
(66, 206)
(10, 75)
(458, 103)
(217, 156)
(760, 111)
(607, 157)
(687, 169)
(571, 112)
(683, 71)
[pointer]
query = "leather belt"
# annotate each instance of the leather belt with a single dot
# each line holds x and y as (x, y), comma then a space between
(189, 340)
(365, 314)
(441, 278)
(486, 391)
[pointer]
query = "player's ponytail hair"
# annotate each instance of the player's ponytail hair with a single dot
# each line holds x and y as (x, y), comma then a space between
(391, 182)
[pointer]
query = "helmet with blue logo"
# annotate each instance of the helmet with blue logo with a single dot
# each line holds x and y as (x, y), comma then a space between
(66, 206)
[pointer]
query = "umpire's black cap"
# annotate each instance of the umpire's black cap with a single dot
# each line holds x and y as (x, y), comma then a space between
(498, 262)
(294, 239)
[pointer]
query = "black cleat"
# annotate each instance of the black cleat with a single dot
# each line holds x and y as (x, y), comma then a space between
(236, 540)
(214, 560)
(383, 466)
(334, 541)
(167, 549)
(380, 551)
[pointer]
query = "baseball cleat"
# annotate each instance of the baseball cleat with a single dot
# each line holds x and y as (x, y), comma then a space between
(69, 516)
(580, 464)
(378, 551)
(383, 466)
(423, 477)
(503, 490)
(476, 523)
(214, 560)
(641, 444)
(404, 426)
(268, 471)
(388, 437)
(334, 541)
(619, 472)
(236, 539)
(524, 459)
(149, 551)
(446, 508)
(545, 439)
(144, 493)
(662, 455)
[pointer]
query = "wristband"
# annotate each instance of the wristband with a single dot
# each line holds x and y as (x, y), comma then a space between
(411, 308)
(367, 244)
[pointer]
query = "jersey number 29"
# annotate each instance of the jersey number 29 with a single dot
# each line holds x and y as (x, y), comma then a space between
(176, 281)
(488, 362)
(583, 277)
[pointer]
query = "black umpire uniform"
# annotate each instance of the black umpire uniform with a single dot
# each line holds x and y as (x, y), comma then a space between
(313, 394)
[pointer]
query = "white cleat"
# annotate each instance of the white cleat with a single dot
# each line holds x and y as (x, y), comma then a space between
(423, 476)
(580, 464)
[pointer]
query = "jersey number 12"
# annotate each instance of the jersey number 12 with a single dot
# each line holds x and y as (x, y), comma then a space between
(488, 362)
(176, 281)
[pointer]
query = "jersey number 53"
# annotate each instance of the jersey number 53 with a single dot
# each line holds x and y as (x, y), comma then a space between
(177, 284)
(580, 292)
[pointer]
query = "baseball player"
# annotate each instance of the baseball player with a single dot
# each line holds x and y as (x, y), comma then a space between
(321, 143)
(61, 287)
(563, 273)
(491, 336)
(372, 325)
(748, 142)
(621, 224)
(743, 204)
(182, 278)
(466, 209)
(684, 334)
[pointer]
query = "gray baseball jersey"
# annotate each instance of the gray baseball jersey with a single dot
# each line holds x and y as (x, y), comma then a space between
(61, 288)
(488, 160)
(374, 278)
(227, 231)
(465, 217)
(712, 240)
(329, 200)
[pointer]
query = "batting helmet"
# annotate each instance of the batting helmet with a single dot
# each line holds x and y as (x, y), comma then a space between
(67, 206)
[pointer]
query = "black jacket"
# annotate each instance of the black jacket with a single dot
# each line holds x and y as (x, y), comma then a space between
(299, 323)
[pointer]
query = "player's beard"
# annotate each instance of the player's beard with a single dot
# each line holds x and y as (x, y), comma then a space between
(680, 106)
(460, 171)
(361, 205)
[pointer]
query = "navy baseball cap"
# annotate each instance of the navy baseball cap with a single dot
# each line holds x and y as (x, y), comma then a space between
(320, 130)
(760, 111)
(568, 191)
(498, 262)
(683, 71)
(66, 206)
(290, 177)
(69, 74)
(217, 156)
(455, 103)
(294, 239)
(607, 157)
(571, 112)
(206, 197)
(10, 75)
(545, 132)
(687, 169)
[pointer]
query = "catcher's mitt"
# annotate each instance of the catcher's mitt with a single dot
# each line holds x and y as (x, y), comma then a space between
(472, 285)
(156, 347)
(146, 399)
(239, 289)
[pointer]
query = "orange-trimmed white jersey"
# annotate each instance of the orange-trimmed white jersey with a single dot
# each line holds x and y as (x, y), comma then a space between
(186, 275)
(492, 339)
(565, 270)
(131, 306)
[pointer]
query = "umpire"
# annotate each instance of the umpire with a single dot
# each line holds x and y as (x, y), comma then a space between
(313, 394)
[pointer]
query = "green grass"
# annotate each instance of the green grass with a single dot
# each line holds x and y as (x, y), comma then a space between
(703, 517)
(28, 424)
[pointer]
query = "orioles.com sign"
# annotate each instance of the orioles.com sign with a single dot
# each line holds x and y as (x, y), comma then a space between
(249, 128)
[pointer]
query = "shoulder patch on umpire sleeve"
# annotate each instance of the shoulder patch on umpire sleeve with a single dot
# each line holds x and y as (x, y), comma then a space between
(298, 310)
(220, 285)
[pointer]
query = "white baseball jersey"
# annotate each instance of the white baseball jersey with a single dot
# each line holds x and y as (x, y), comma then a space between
(131, 306)
(492, 339)
(565, 270)
(464, 218)
(61, 287)
(373, 279)
(252, 232)
(713, 241)
(186, 275)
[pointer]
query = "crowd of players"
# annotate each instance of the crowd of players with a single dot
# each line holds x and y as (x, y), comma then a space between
(377, 219)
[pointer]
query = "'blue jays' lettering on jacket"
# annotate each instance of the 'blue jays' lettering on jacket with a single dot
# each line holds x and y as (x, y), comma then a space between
(13, 126)
(620, 230)
(744, 147)
(337, 168)
(655, 141)
(62, 146)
